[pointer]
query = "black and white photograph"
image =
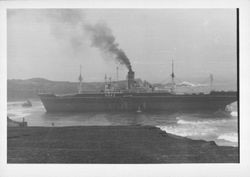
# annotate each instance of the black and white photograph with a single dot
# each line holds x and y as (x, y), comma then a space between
(123, 86)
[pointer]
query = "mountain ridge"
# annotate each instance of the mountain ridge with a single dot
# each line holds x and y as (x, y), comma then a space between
(21, 89)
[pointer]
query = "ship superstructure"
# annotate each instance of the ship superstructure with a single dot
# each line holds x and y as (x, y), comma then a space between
(136, 97)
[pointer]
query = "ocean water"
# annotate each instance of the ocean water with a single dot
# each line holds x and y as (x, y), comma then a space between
(220, 127)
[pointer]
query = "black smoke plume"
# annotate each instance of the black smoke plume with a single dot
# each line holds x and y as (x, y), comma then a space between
(70, 25)
(103, 39)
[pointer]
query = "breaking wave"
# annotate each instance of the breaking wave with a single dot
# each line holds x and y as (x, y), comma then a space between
(233, 137)
(14, 103)
(200, 123)
(187, 131)
(17, 111)
(209, 129)
(234, 113)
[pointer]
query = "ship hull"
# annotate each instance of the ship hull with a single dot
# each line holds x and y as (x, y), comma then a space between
(147, 102)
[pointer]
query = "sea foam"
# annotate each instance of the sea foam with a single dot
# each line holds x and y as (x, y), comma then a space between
(233, 137)
(234, 113)
(214, 129)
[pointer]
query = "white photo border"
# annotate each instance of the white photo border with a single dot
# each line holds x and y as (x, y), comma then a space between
(168, 170)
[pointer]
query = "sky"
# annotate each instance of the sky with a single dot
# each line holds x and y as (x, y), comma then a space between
(53, 43)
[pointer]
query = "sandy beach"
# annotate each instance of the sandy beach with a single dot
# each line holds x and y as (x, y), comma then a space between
(111, 144)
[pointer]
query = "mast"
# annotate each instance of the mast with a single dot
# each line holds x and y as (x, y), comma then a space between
(117, 74)
(172, 77)
(105, 79)
(110, 80)
(80, 80)
(211, 82)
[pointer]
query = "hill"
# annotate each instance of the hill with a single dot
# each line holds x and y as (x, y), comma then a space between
(18, 89)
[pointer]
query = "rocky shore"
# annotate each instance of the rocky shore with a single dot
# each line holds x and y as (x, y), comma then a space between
(110, 144)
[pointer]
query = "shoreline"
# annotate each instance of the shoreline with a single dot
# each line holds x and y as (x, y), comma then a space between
(111, 144)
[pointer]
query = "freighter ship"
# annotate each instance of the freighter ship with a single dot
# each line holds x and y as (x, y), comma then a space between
(136, 98)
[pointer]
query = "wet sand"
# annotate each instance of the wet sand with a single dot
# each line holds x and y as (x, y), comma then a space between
(111, 144)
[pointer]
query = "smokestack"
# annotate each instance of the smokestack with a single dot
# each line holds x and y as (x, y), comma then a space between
(131, 78)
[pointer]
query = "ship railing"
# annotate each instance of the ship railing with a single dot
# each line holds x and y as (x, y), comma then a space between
(111, 93)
